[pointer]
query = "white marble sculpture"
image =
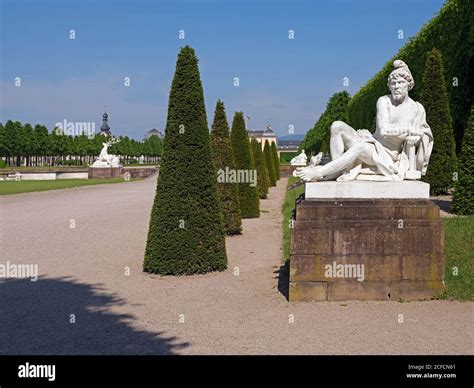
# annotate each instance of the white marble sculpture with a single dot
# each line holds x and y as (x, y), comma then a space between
(399, 149)
(316, 159)
(106, 160)
(299, 160)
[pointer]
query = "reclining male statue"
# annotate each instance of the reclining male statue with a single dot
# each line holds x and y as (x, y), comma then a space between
(399, 149)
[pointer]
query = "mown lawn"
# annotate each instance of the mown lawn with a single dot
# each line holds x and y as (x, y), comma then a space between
(16, 187)
(459, 253)
(12, 170)
(459, 248)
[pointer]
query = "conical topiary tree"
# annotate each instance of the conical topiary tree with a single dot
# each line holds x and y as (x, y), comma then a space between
(267, 151)
(434, 98)
(224, 162)
(245, 165)
(276, 161)
(186, 234)
(463, 201)
(267, 171)
(262, 177)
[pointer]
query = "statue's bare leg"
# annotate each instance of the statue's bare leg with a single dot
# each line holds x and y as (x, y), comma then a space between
(343, 137)
(352, 174)
(347, 150)
(360, 152)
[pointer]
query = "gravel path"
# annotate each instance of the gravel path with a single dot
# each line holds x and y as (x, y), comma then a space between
(93, 298)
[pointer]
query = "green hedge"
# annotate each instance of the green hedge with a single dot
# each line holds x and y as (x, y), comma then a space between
(317, 138)
(463, 200)
(452, 32)
(285, 157)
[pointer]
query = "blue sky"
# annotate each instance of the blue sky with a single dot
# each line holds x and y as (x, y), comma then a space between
(282, 81)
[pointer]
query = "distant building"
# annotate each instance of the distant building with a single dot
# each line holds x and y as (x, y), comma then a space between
(288, 144)
(153, 132)
(262, 135)
(105, 129)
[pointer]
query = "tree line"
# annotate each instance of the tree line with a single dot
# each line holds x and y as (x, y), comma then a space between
(25, 145)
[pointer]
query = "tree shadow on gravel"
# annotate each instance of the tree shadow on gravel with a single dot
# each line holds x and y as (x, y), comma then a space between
(283, 276)
(35, 319)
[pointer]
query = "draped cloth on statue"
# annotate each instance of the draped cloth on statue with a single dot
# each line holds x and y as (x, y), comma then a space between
(393, 164)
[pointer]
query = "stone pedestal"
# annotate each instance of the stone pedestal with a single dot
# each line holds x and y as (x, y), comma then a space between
(366, 249)
(367, 190)
(105, 172)
(139, 172)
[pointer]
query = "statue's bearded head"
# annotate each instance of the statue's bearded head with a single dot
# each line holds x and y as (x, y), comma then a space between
(400, 80)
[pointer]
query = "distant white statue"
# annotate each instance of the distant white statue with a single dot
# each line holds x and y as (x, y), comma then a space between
(141, 159)
(106, 160)
(399, 149)
(316, 159)
(299, 160)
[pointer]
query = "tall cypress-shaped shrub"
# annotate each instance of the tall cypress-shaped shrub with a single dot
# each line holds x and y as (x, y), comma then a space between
(262, 177)
(434, 98)
(224, 162)
(186, 234)
(463, 201)
(276, 161)
(244, 161)
(265, 166)
(267, 151)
